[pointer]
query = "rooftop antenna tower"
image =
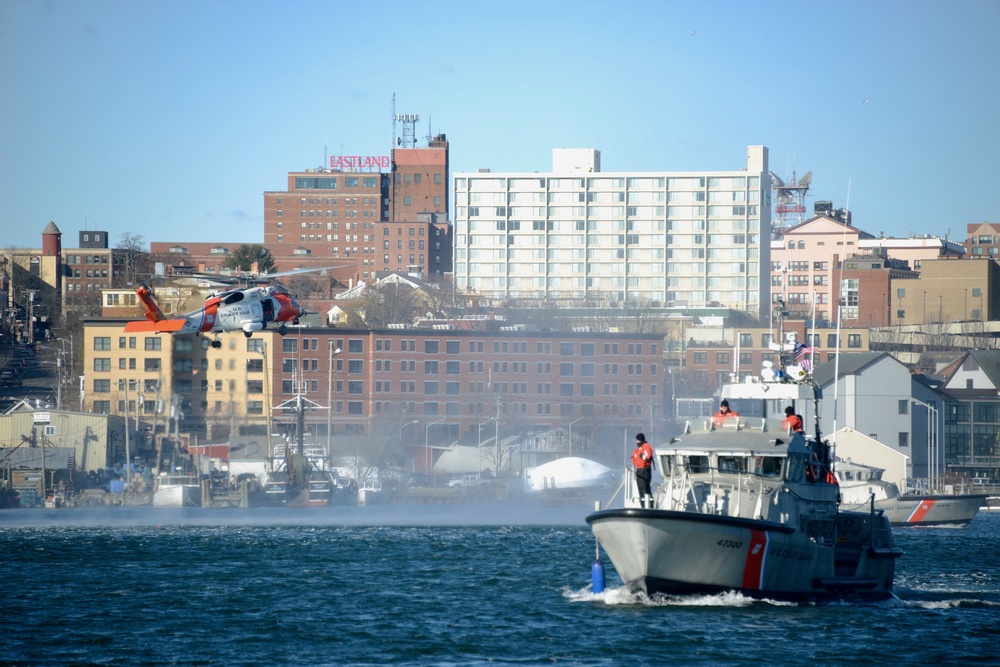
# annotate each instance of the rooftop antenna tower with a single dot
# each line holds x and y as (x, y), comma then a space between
(790, 202)
(409, 121)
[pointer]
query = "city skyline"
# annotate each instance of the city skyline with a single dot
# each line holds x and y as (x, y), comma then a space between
(171, 120)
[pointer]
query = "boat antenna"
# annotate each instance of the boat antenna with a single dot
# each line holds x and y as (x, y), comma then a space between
(840, 307)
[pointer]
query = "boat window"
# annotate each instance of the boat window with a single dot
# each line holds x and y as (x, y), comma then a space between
(666, 465)
(696, 464)
(768, 466)
(732, 464)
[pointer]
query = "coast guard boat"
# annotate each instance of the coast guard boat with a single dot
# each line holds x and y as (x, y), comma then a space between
(747, 507)
(859, 483)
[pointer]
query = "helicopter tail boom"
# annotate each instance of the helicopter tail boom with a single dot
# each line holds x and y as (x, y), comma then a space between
(153, 312)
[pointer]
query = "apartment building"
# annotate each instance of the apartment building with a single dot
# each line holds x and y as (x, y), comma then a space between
(576, 233)
(450, 378)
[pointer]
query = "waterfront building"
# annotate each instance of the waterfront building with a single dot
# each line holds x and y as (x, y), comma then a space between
(971, 415)
(578, 234)
(96, 440)
(451, 378)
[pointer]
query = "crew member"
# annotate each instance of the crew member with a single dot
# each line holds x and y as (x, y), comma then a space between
(792, 423)
(642, 459)
(723, 414)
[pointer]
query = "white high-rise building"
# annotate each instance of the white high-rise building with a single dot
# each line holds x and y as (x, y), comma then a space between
(662, 238)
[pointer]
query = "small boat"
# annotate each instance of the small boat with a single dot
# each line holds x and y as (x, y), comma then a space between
(177, 491)
(746, 507)
(860, 483)
(371, 493)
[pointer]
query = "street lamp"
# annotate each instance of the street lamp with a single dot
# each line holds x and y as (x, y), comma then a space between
(329, 399)
(932, 444)
(427, 446)
(571, 434)
(415, 421)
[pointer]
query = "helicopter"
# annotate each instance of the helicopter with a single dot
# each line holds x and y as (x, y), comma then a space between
(246, 309)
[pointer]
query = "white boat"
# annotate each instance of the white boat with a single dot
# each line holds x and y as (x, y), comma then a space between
(177, 491)
(860, 483)
(371, 493)
(747, 508)
(571, 473)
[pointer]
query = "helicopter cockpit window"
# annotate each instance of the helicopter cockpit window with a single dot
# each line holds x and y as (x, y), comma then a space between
(235, 297)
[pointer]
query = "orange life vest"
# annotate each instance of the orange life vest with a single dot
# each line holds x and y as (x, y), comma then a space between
(642, 456)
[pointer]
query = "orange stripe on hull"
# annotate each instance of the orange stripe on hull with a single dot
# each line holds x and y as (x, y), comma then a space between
(920, 511)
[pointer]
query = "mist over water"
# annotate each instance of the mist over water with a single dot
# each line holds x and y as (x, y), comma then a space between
(440, 586)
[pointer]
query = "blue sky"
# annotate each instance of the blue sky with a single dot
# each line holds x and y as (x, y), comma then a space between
(170, 119)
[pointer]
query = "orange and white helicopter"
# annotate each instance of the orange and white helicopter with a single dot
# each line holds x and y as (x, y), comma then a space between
(246, 309)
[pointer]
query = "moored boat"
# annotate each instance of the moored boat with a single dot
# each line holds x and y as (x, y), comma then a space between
(177, 491)
(746, 507)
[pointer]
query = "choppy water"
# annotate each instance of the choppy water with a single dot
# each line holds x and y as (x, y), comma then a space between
(455, 586)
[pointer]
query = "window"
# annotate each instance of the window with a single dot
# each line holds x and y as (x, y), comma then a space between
(103, 364)
(853, 340)
(102, 386)
(904, 439)
(151, 365)
(152, 343)
(102, 343)
(430, 347)
(903, 406)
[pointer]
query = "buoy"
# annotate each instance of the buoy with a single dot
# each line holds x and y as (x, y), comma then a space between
(597, 574)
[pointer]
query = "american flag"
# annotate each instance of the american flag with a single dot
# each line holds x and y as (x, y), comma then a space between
(803, 350)
(801, 356)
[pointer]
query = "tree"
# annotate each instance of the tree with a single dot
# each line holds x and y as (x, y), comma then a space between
(136, 257)
(246, 255)
(385, 304)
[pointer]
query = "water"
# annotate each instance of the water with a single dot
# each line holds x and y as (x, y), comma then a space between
(451, 586)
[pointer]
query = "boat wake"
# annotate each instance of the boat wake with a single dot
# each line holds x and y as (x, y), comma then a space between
(622, 596)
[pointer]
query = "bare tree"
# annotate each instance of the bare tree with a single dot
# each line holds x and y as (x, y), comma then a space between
(136, 258)
(390, 303)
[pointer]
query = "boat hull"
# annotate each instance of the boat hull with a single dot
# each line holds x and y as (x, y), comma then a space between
(676, 553)
(932, 510)
(177, 496)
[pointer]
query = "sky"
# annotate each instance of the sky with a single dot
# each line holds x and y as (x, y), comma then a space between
(170, 118)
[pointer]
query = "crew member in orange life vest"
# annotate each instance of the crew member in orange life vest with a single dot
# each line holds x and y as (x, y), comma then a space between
(792, 423)
(642, 459)
(723, 414)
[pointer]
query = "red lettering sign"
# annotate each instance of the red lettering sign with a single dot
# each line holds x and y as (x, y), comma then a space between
(359, 162)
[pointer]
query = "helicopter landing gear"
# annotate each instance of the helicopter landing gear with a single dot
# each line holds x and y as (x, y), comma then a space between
(247, 333)
(216, 343)
(282, 330)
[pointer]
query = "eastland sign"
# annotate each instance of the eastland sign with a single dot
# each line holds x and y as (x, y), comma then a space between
(369, 162)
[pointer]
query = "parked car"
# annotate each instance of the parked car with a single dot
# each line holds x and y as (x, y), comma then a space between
(465, 481)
